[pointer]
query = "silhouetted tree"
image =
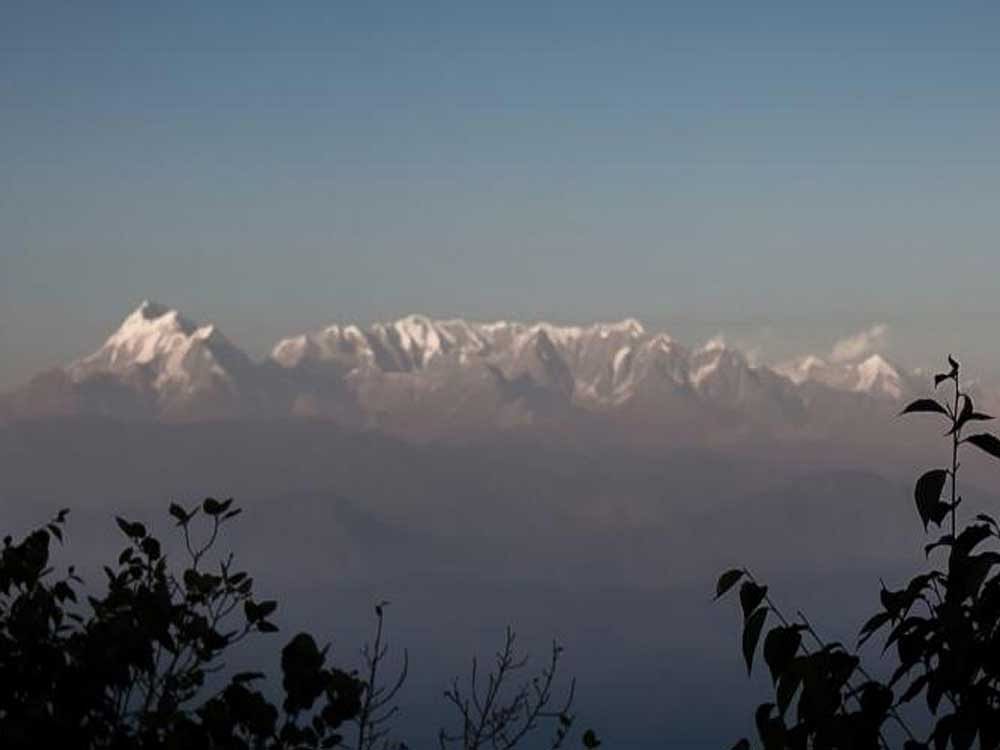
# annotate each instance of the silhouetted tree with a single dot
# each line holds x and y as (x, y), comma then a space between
(131, 668)
(498, 711)
(942, 628)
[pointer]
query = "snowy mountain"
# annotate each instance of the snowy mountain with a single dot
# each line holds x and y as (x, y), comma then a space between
(873, 375)
(174, 353)
(417, 375)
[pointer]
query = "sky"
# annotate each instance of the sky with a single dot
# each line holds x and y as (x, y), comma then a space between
(785, 173)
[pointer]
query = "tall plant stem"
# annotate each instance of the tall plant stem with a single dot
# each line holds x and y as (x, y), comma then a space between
(954, 454)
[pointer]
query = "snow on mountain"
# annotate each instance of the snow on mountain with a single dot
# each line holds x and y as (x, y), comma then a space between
(873, 375)
(418, 370)
(166, 358)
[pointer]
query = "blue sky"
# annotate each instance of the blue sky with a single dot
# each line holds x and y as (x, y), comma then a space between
(787, 172)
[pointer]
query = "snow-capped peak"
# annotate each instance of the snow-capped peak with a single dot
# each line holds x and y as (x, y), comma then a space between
(876, 374)
(873, 375)
(715, 344)
(420, 337)
(150, 330)
(628, 326)
(172, 350)
(803, 368)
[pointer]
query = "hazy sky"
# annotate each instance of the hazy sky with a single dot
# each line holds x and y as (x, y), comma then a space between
(789, 172)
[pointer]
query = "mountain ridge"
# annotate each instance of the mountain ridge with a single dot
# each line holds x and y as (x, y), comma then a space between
(424, 375)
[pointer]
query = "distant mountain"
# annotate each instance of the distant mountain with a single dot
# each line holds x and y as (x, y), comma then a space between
(872, 375)
(423, 377)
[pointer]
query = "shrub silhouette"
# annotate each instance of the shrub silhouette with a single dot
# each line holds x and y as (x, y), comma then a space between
(942, 629)
(129, 669)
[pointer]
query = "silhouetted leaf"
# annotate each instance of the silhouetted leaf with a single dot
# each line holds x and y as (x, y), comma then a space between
(971, 537)
(267, 627)
(780, 647)
(872, 626)
(243, 677)
(751, 635)
(963, 416)
(985, 442)
(914, 689)
(590, 740)
(964, 730)
(946, 540)
(934, 693)
(924, 405)
(940, 378)
(928, 494)
(132, 530)
(751, 595)
(727, 580)
(178, 512)
(787, 686)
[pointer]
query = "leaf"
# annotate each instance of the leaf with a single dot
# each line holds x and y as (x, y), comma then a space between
(971, 537)
(590, 740)
(787, 686)
(132, 530)
(927, 494)
(751, 635)
(985, 442)
(762, 718)
(178, 512)
(151, 547)
(267, 627)
(940, 378)
(751, 595)
(727, 580)
(953, 363)
(963, 416)
(780, 647)
(924, 405)
(243, 677)
(211, 506)
(872, 626)
(266, 608)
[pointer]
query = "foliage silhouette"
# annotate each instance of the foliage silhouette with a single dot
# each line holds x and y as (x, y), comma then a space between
(131, 668)
(942, 630)
(493, 717)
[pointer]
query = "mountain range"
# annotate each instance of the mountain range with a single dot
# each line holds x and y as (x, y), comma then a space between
(424, 377)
